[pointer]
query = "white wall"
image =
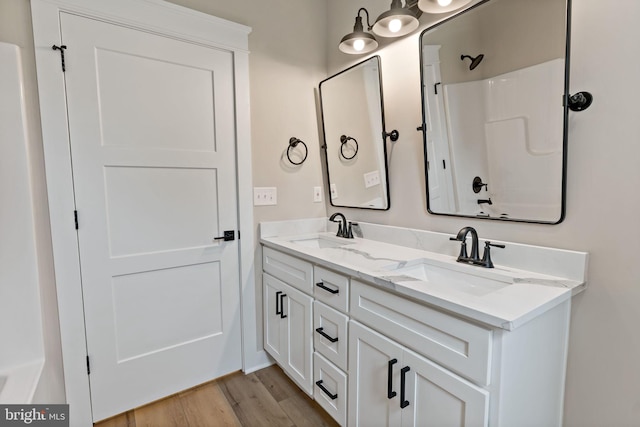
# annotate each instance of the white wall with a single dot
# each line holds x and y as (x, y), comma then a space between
(603, 202)
(286, 63)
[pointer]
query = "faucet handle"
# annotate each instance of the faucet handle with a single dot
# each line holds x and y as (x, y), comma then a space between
(463, 248)
(486, 257)
(357, 231)
(349, 232)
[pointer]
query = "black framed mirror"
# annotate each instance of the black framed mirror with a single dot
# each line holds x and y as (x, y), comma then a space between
(354, 136)
(494, 99)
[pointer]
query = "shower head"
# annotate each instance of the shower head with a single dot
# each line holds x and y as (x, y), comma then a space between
(474, 61)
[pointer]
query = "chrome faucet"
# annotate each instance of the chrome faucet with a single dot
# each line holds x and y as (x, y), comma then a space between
(344, 227)
(474, 258)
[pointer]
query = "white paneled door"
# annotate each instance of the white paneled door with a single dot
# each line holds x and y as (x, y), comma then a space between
(151, 123)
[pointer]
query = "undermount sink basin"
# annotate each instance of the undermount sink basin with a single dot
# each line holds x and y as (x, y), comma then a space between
(320, 242)
(472, 282)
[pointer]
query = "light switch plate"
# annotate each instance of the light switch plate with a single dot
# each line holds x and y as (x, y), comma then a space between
(334, 191)
(317, 194)
(265, 196)
(371, 179)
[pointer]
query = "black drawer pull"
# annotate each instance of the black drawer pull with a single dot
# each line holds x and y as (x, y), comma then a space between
(403, 373)
(390, 393)
(327, 392)
(324, 334)
(282, 315)
(278, 309)
(322, 286)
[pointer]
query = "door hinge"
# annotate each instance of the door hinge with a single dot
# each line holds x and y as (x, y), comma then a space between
(61, 48)
(88, 366)
(238, 234)
(75, 218)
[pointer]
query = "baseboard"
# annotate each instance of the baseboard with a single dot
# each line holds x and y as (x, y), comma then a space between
(260, 360)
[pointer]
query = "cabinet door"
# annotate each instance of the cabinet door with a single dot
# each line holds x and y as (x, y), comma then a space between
(435, 397)
(274, 325)
(373, 361)
(298, 317)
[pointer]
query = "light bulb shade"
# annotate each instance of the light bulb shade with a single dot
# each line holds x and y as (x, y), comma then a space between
(435, 6)
(357, 43)
(395, 23)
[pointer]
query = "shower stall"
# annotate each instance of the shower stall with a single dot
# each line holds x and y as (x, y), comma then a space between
(21, 336)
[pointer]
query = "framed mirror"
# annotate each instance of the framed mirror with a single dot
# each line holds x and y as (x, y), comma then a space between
(494, 91)
(354, 137)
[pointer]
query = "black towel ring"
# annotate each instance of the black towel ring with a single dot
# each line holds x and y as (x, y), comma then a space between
(343, 140)
(293, 142)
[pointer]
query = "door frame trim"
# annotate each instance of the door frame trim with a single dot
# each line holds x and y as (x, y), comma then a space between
(166, 19)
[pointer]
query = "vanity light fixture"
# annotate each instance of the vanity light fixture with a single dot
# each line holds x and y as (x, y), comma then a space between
(359, 41)
(396, 22)
(441, 6)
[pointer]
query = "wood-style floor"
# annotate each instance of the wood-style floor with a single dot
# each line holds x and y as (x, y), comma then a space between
(264, 398)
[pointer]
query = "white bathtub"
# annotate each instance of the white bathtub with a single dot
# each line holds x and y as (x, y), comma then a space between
(18, 384)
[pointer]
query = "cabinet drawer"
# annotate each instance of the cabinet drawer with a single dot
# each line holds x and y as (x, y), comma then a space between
(292, 270)
(461, 346)
(334, 382)
(330, 334)
(331, 288)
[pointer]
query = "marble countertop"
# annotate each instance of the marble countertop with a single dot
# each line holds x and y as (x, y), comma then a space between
(502, 297)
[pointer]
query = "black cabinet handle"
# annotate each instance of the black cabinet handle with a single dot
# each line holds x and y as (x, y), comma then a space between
(327, 392)
(332, 291)
(282, 315)
(390, 393)
(324, 334)
(278, 309)
(403, 373)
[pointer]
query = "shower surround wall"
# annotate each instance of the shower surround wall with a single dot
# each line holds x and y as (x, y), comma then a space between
(22, 349)
(502, 130)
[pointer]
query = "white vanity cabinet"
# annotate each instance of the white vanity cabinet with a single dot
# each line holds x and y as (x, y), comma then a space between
(295, 324)
(413, 365)
(403, 335)
(390, 385)
(288, 317)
